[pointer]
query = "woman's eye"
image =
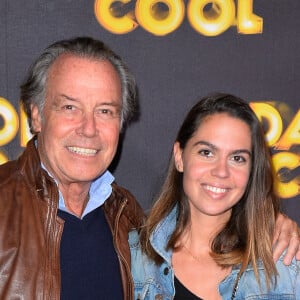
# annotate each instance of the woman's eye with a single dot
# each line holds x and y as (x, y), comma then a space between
(205, 152)
(239, 158)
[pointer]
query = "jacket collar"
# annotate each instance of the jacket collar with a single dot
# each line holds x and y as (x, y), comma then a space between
(38, 179)
(29, 162)
(162, 233)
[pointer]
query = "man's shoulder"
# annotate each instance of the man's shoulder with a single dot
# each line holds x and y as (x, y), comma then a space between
(122, 201)
(28, 161)
(122, 193)
(6, 170)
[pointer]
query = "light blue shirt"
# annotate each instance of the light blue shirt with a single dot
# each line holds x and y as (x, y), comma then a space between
(100, 191)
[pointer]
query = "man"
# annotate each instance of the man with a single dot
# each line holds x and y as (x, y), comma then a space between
(55, 229)
(64, 223)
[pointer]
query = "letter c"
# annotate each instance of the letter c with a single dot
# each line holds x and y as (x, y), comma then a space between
(290, 161)
(117, 25)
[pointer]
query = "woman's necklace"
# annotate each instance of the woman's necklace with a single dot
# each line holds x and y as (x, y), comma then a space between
(191, 254)
(237, 281)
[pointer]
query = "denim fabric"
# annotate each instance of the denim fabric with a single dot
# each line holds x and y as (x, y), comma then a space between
(153, 282)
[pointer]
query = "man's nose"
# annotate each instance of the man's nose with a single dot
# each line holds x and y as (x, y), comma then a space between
(88, 126)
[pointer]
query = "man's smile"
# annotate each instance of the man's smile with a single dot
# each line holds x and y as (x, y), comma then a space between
(82, 151)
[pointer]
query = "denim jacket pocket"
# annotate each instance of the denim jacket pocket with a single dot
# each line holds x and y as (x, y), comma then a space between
(150, 290)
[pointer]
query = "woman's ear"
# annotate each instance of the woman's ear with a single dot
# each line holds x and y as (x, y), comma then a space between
(36, 119)
(177, 152)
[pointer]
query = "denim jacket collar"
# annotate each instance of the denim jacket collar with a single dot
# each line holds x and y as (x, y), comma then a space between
(162, 233)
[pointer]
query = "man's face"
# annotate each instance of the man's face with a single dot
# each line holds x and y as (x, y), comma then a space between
(79, 131)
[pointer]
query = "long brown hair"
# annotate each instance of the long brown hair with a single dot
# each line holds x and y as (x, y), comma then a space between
(248, 234)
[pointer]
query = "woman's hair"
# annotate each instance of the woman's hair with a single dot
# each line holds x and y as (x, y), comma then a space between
(33, 89)
(248, 234)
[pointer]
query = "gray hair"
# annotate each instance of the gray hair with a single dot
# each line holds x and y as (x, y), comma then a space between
(33, 89)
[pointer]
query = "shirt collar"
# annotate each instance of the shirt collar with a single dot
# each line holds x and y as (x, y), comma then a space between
(100, 191)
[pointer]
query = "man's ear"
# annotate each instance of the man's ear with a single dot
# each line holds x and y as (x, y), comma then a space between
(36, 120)
(177, 152)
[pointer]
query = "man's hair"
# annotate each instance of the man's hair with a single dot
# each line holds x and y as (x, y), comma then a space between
(33, 89)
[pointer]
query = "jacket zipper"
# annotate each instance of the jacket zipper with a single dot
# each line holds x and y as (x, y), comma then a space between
(120, 256)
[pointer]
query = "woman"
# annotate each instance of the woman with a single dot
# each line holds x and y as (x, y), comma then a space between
(209, 234)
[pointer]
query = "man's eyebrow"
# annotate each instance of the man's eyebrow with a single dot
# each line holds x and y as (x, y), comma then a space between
(214, 147)
(113, 103)
(68, 97)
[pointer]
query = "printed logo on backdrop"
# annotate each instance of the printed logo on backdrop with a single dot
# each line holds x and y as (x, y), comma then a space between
(161, 17)
(208, 18)
(282, 132)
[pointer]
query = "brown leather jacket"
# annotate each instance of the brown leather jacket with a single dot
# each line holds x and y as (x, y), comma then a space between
(30, 231)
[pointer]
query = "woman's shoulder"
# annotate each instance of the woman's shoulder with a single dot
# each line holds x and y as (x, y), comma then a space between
(142, 266)
(288, 275)
(150, 279)
(286, 285)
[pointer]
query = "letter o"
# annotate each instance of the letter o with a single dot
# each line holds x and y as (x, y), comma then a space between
(11, 122)
(214, 22)
(152, 20)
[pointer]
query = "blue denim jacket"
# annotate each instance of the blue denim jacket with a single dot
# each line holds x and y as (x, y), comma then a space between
(153, 282)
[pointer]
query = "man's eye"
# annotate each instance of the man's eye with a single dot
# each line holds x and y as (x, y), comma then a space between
(106, 111)
(68, 107)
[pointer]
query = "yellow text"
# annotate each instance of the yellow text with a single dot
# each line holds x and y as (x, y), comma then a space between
(161, 17)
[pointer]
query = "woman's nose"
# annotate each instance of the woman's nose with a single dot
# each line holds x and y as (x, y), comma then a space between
(221, 168)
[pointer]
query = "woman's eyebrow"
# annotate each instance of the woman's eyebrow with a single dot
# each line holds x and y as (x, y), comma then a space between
(214, 147)
(201, 142)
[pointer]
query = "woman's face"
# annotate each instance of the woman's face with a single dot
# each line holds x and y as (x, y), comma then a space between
(216, 165)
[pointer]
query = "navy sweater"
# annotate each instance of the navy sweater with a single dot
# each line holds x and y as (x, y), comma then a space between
(88, 261)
